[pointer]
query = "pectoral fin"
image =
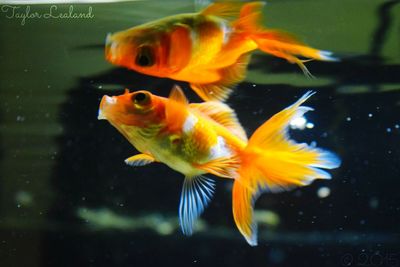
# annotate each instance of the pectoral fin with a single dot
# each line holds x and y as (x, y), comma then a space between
(139, 160)
(229, 77)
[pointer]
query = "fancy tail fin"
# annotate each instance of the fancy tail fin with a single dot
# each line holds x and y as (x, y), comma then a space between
(272, 162)
(276, 42)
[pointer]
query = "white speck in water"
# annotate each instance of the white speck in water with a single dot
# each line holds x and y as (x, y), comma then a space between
(20, 118)
(348, 119)
(309, 125)
(370, 115)
(397, 126)
(254, 85)
(25, 70)
(388, 130)
(100, 86)
(323, 192)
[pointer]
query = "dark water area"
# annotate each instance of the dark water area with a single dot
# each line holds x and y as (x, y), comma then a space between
(68, 199)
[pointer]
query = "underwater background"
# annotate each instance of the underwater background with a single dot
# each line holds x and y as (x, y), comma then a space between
(68, 199)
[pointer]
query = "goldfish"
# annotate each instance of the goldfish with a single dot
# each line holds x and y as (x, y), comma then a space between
(196, 139)
(210, 49)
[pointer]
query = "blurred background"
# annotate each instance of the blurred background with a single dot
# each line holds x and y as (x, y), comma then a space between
(68, 199)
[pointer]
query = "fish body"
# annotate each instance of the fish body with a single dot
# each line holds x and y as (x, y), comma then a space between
(196, 139)
(209, 49)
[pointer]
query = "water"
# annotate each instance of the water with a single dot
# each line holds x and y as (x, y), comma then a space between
(68, 199)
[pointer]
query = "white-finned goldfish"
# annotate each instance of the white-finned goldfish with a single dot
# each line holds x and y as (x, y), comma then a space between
(200, 138)
(209, 49)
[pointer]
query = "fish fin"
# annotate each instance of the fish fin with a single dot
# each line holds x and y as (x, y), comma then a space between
(176, 110)
(197, 192)
(223, 115)
(222, 166)
(272, 162)
(181, 47)
(250, 17)
(236, 72)
(275, 42)
(286, 46)
(177, 95)
(139, 160)
(211, 91)
(242, 206)
(230, 76)
(226, 10)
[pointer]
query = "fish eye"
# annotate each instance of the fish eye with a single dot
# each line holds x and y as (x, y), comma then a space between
(141, 98)
(145, 56)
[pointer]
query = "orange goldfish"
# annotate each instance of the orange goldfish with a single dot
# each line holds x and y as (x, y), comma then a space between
(200, 138)
(210, 50)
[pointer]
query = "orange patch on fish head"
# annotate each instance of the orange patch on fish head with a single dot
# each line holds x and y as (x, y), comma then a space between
(139, 109)
(141, 49)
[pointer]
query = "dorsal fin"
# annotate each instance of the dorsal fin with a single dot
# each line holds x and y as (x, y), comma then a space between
(223, 115)
(250, 17)
(176, 109)
(177, 95)
(226, 10)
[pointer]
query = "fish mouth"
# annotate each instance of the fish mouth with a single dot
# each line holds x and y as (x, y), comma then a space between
(108, 39)
(106, 103)
(110, 48)
(101, 115)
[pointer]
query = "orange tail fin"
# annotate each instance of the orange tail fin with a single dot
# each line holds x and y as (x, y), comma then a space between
(272, 162)
(276, 42)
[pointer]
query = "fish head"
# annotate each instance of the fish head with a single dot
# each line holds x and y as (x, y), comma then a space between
(140, 109)
(142, 49)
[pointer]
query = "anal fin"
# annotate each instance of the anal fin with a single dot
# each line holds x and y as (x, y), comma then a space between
(197, 192)
(222, 166)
